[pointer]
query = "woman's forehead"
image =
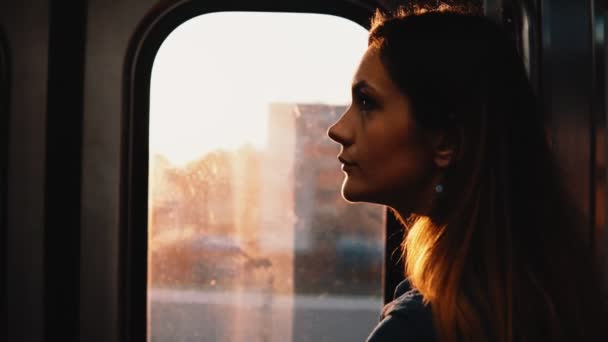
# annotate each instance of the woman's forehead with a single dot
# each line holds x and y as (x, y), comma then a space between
(372, 73)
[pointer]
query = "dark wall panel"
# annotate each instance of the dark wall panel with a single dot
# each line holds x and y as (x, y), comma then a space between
(26, 25)
(63, 170)
(566, 74)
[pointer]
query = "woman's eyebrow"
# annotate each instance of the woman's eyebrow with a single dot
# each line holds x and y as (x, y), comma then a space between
(360, 85)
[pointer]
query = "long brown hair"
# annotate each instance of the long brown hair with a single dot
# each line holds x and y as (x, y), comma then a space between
(501, 256)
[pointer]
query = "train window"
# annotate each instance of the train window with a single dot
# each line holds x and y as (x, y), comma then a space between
(249, 238)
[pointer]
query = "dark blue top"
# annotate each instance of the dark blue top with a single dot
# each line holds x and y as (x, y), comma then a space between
(405, 319)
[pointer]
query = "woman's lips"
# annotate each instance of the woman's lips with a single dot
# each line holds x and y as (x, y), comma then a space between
(346, 162)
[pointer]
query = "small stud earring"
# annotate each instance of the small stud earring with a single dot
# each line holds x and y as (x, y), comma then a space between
(439, 188)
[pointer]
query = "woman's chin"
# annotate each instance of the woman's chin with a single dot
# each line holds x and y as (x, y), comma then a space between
(352, 194)
(349, 195)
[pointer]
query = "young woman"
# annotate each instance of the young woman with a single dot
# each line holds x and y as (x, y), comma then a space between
(445, 130)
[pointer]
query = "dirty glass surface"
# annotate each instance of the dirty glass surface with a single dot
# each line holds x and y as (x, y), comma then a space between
(249, 237)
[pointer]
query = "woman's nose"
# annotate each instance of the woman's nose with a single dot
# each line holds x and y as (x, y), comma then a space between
(337, 131)
(333, 133)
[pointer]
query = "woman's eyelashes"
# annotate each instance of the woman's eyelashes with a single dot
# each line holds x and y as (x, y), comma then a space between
(364, 102)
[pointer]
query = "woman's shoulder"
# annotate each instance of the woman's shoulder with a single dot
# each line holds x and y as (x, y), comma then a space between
(407, 300)
(406, 318)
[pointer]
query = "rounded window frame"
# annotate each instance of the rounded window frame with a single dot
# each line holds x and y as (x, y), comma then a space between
(152, 31)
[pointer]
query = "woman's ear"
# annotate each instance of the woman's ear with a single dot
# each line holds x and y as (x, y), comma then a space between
(447, 145)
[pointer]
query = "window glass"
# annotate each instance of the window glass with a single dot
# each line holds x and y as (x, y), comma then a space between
(249, 237)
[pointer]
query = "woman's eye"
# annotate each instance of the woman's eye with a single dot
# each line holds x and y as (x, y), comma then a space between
(365, 103)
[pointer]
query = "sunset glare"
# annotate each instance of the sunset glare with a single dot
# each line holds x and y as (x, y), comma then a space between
(215, 76)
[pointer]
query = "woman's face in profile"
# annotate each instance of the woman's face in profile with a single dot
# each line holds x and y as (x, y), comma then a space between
(388, 159)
